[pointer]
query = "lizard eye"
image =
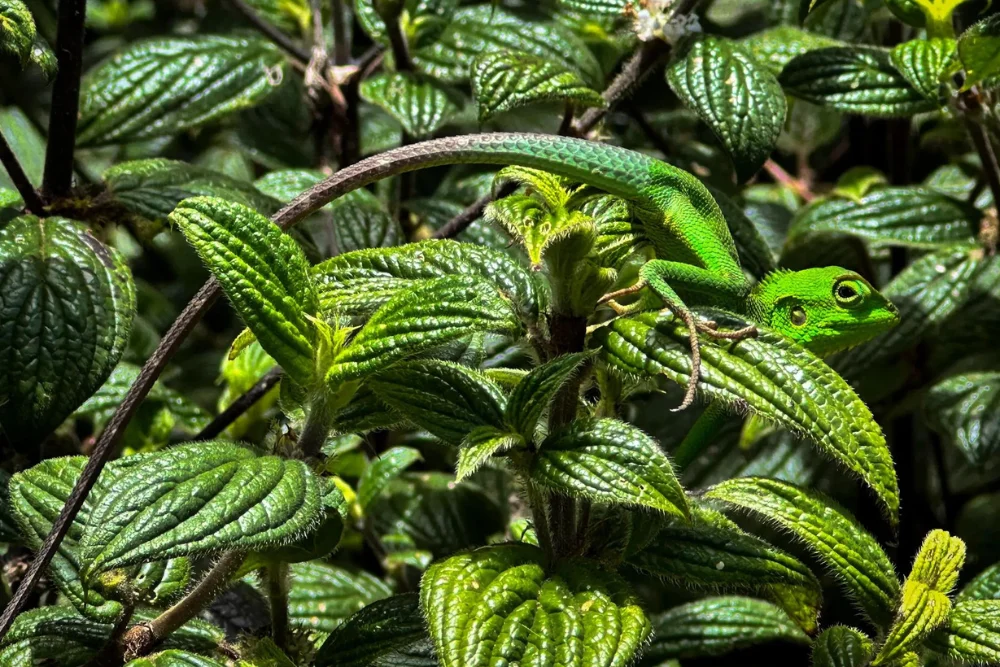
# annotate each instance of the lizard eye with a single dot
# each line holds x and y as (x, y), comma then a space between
(797, 316)
(847, 293)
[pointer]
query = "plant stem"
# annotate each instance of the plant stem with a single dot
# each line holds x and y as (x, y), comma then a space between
(65, 100)
(540, 519)
(240, 405)
(277, 595)
(341, 50)
(143, 638)
(781, 176)
(317, 427)
(279, 38)
(991, 167)
(29, 195)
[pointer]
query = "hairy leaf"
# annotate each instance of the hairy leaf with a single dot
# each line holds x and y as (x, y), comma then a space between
(447, 399)
(776, 47)
(841, 646)
(482, 603)
(718, 625)
(480, 446)
(424, 19)
(740, 100)
(55, 634)
(200, 498)
(17, 29)
(386, 467)
(609, 461)
(774, 378)
(506, 80)
(922, 610)
(926, 63)
(985, 586)
(536, 390)
(850, 552)
(972, 633)
(360, 221)
(323, 596)
(263, 272)
(979, 50)
(420, 104)
(966, 409)
(66, 311)
(175, 658)
(379, 630)
(160, 87)
(854, 79)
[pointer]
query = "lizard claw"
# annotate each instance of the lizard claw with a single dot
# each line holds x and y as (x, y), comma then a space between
(611, 296)
(710, 328)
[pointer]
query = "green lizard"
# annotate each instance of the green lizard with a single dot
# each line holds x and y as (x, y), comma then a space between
(696, 262)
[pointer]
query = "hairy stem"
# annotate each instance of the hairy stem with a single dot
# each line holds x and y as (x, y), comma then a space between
(240, 405)
(32, 201)
(316, 428)
(65, 100)
(540, 518)
(277, 596)
(279, 38)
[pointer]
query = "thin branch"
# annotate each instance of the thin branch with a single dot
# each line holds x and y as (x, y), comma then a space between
(240, 405)
(783, 177)
(277, 596)
(991, 168)
(20, 180)
(280, 39)
(341, 49)
(65, 100)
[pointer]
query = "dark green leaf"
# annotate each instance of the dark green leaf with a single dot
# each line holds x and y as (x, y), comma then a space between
(972, 633)
(424, 19)
(386, 467)
(986, 586)
(360, 221)
(926, 64)
(505, 80)
(322, 596)
(482, 444)
(66, 311)
(979, 50)
(776, 47)
(536, 390)
(755, 255)
(740, 100)
(264, 274)
(420, 104)
(841, 646)
(161, 87)
(598, 7)
(966, 409)
(26, 143)
(55, 634)
(17, 29)
(175, 658)
(380, 629)
(857, 80)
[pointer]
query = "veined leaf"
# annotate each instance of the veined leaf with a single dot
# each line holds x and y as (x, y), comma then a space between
(979, 50)
(420, 104)
(740, 100)
(175, 658)
(161, 87)
(854, 79)
(17, 29)
(357, 283)
(925, 63)
(972, 633)
(323, 596)
(718, 625)
(985, 586)
(506, 80)
(421, 20)
(480, 446)
(56, 634)
(386, 467)
(66, 311)
(476, 30)
(420, 319)
(26, 143)
(596, 7)
(377, 631)
(939, 561)
(835, 537)
(776, 47)
(841, 646)
(609, 461)
(447, 399)
(263, 272)
(360, 221)
(153, 188)
(915, 216)
(535, 391)
(477, 603)
(965, 408)
(773, 377)
(196, 499)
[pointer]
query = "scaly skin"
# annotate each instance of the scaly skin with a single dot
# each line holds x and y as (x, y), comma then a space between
(696, 261)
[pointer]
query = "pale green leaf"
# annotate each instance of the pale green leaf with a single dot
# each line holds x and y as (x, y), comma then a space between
(979, 50)
(480, 446)
(387, 466)
(376, 632)
(420, 104)
(921, 611)
(322, 596)
(264, 274)
(536, 390)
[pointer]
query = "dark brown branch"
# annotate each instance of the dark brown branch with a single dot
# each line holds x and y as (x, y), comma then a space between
(280, 39)
(20, 180)
(65, 100)
(240, 405)
(991, 168)
(341, 49)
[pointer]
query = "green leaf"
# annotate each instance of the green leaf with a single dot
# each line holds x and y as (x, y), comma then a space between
(855, 79)
(420, 104)
(66, 311)
(536, 390)
(740, 100)
(17, 29)
(357, 283)
(264, 274)
(965, 409)
(26, 143)
(506, 80)
(776, 47)
(175, 658)
(972, 633)
(386, 467)
(985, 586)
(444, 398)
(755, 255)
(414, 321)
(979, 51)
(480, 29)
(360, 221)
(850, 552)
(841, 646)
(480, 446)
(376, 632)
(152, 188)
(926, 63)
(612, 462)
(857, 182)
(938, 561)
(56, 634)
(200, 498)
(160, 87)
(43, 56)
(717, 625)
(499, 601)
(773, 377)
(914, 216)
(596, 7)
(322, 596)
(422, 20)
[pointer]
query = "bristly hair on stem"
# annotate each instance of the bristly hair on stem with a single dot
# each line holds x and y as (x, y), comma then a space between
(65, 100)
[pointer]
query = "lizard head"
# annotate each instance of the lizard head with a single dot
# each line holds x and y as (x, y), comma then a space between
(825, 309)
